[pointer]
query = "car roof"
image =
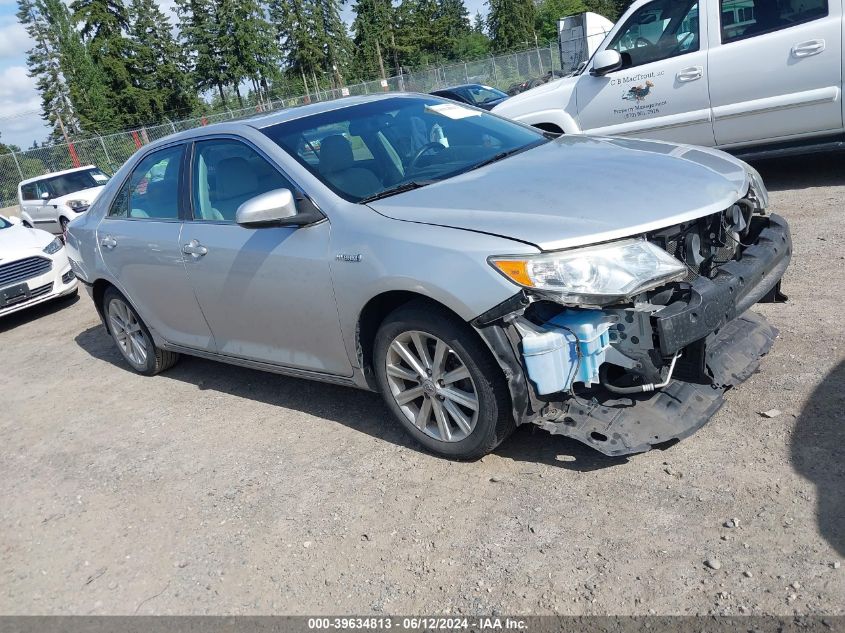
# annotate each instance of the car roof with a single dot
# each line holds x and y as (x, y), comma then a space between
(55, 173)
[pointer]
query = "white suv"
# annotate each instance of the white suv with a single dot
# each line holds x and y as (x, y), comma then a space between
(757, 76)
(51, 201)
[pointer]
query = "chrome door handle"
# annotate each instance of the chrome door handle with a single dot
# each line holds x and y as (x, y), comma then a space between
(194, 248)
(108, 242)
(808, 48)
(690, 74)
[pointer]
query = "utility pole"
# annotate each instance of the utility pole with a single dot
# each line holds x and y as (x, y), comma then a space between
(74, 159)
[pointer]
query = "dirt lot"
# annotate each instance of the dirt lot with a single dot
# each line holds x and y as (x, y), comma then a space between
(214, 489)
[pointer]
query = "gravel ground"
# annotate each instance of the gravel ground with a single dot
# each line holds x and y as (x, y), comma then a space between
(214, 489)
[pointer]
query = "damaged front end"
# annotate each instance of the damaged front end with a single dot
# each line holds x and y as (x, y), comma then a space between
(652, 367)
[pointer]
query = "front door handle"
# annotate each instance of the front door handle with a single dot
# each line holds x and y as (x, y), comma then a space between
(808, 48)
(690, 74)
(108, 242)
(194, 248)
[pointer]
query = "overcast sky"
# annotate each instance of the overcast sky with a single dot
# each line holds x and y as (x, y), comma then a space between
(20, 105)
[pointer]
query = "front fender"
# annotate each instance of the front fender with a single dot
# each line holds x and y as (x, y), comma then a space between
(552, 103)
(25, 217)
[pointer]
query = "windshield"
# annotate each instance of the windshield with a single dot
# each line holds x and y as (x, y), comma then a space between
(366, 150)
(484, 94)
(57, 186)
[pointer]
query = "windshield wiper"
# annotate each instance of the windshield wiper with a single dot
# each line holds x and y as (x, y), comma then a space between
(502, 155)
(392, 191)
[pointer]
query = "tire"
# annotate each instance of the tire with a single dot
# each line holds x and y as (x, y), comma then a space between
(63, 222)
(467, 375)
(136, 347)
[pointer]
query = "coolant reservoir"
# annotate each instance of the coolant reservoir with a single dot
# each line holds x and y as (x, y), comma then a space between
(552, 353)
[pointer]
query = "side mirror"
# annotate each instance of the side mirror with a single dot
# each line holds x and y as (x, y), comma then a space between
(275, 208)
(45, 196)
(606, 61)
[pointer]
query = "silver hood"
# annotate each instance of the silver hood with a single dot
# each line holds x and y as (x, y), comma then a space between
(581, 189)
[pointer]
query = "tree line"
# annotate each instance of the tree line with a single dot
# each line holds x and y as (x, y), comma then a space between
(107, 65)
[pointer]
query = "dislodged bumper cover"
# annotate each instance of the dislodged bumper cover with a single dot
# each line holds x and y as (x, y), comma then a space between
(617, 425)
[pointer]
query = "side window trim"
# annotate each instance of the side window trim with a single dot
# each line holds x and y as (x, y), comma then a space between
(128, 178)
(190, 215)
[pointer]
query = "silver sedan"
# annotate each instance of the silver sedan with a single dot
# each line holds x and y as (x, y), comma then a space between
(479, 273)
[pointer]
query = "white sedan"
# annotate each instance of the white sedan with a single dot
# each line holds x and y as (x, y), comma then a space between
(34, 267)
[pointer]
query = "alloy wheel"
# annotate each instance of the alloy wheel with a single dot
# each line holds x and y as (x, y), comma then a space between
(432, 386)
(127, 331)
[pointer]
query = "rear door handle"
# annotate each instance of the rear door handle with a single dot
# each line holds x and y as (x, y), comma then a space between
(194, 248)
(108, 242)
(808, 48)
(690, 74)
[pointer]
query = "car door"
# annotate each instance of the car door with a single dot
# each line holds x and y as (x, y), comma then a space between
(266, 292)
(775, 69)
(661, 90)
(140, 246)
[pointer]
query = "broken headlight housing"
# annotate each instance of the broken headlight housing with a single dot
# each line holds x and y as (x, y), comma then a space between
(758, 188)
(594, 275)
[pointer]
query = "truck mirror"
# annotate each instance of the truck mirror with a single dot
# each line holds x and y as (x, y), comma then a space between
(606, 61)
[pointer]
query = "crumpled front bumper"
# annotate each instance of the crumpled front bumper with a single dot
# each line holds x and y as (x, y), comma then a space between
(621, 425)
(712, 324)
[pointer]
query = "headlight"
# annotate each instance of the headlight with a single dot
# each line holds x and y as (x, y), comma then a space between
(596, 275)
(758, 187)
(53, 247)
(78, 205)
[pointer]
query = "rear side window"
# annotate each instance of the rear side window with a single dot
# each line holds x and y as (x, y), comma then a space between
(742, 19)
(28, 192)
(152, 190)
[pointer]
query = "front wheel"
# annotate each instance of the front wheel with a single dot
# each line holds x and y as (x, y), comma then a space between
(64, 222)
(441, 383)
(133, 338)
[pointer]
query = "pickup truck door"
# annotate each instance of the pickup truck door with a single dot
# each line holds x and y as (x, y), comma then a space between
(775, 69)
(661, 90)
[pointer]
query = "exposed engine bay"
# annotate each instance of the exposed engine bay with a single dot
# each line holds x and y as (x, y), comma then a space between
(626, 377)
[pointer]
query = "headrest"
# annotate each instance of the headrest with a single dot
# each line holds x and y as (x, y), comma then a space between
(235, 178)
(335, 154)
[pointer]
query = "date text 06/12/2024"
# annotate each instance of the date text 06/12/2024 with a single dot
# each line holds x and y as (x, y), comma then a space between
(418, 623)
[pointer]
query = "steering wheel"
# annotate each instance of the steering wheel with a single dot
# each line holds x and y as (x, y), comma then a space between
(680, 46)
(642, 42)
(428, 147)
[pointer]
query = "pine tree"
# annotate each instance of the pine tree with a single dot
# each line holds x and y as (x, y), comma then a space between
(334, 39)
(200, 35)
(43, 63)
(159, 66)
(479, 24)
(374, 40)
(295, 26)
(71, 85)
(511, 24)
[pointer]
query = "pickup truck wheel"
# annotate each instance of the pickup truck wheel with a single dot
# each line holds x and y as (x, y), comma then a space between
(133, 338)
(441, 383)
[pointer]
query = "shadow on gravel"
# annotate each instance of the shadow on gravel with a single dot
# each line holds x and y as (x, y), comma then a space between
(817, 454)
(359, 410)
(36, 312)
(813, 170)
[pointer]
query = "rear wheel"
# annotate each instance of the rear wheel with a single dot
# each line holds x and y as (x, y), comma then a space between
(64, 222)
(441, 383)
(133, 338)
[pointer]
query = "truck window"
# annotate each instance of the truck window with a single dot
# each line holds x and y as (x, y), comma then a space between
(742, 19)
(657, 31)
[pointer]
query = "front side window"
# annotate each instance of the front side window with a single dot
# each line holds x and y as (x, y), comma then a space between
(659, 30)
(226, 174)
(373, 148)
(742, 19)
(152, 190)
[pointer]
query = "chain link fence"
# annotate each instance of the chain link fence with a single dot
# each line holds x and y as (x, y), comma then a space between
(109, 152)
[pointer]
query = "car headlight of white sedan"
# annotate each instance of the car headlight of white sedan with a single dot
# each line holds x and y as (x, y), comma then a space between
(594, 275)
(53, 247)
